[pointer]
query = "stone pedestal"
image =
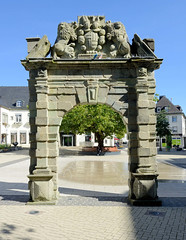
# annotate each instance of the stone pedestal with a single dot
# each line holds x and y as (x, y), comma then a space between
(145, 190)
(41, 187)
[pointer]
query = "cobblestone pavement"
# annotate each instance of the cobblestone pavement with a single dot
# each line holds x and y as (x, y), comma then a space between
(86, 223)
(90, 211)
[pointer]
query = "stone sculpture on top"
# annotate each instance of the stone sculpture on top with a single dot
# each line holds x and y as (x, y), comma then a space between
(92, 37)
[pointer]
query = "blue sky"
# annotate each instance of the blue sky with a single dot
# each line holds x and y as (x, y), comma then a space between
(163, 20)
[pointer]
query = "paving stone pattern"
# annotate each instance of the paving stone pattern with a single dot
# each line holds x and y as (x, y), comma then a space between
(84, 223)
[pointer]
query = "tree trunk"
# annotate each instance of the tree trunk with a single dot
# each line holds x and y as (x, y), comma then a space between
(100, 139)
(160, 148)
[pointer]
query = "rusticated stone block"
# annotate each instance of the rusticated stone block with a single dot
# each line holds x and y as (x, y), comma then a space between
(82, 94)
(143, 144)
(53, 153)
(41, 121)
(64, 106)
(41, 153)
(52, 137)
(117, 106)
(143, 97)
(60, 113)
(152, 119)
(118, 90)
(53, 129)
(143, 104)
(42, 105)
(42, 113)
(143, 152)
(66, 90)
(143, 135)
(142, 119)
(52, 161)
(52, 90)
(41, 137)
(102, 94)
(42, 97)
(52, 105)
(54, 121)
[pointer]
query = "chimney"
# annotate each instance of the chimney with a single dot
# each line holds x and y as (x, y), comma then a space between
(31, 42)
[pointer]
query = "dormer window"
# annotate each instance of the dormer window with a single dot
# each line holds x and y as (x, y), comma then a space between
(158, 109)
(166, 109)
(19, 103)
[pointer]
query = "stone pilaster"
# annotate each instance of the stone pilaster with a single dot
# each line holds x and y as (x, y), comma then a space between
(142, 149)
(40, 184)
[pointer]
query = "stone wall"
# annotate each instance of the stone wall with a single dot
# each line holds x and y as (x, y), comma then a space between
(56, 86)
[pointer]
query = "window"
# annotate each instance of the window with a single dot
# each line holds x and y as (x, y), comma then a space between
(174, 118)
(174, 129)
(5, 119)
(23, 138)
(158, 109)
(13, 137)
(166, 109)
(18, 118)
(88, 137)
(19, 103)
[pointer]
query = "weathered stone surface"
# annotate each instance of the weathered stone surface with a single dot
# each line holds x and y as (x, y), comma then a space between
(90, 36)
(41, 49)
(102, 94)
(126, 84)
(54, 121)
(145, 186)
(66, 90)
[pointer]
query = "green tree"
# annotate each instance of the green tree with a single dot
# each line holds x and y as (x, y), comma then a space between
(156, 97)
(169, 142)
(99, 119)
(162, 127)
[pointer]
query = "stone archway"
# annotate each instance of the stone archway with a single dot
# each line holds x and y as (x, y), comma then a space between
(71, 77)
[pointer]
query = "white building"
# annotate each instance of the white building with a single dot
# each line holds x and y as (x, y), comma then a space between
(87, 140)
(176, 119)
(14, 121)
(14, 115)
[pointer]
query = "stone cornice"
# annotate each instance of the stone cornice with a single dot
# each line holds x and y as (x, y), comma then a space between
(35, 63)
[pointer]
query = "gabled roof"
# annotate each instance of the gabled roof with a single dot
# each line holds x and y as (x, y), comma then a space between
(165, 102)
(10, 95)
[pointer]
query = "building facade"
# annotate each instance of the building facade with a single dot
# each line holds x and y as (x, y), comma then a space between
(176, 119)
(14, 116)
(14, 121)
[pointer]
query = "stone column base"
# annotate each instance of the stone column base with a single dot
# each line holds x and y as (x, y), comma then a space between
(41, 189)
(144, 190)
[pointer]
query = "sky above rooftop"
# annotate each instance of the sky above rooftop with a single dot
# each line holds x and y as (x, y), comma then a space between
(162, 20)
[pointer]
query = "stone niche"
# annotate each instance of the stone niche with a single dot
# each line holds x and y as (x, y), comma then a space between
(92, 62)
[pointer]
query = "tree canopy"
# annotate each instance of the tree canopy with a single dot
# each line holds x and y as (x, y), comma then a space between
(99, 119)
(162, 126)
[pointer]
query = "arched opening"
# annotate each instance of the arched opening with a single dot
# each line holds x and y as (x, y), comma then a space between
(95, 123)
(82, 171)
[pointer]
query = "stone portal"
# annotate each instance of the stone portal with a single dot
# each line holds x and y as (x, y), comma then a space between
(92, 62)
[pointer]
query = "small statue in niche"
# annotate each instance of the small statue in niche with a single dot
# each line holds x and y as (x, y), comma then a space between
(64, 46)
(116, 33)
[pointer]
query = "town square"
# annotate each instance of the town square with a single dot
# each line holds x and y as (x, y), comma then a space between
(92, 123)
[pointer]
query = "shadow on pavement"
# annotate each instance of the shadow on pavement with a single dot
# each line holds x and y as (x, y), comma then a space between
(13, 193)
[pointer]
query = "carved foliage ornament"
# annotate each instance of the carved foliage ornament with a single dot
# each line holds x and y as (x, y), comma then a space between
(91, 35)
